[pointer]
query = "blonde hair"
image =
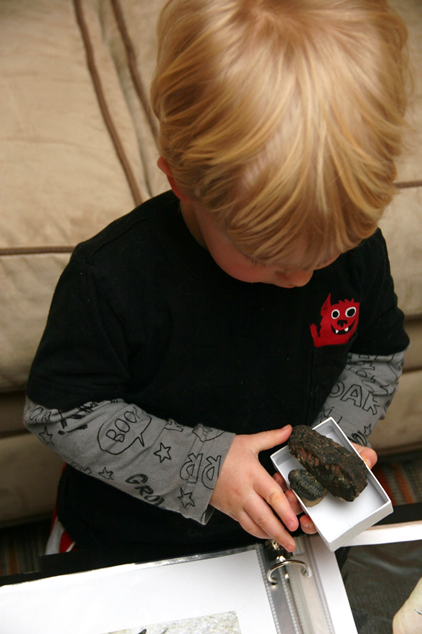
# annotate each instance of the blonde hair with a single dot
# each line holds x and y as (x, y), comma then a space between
(283, 117)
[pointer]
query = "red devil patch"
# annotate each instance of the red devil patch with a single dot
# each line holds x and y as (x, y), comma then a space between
(338, 323)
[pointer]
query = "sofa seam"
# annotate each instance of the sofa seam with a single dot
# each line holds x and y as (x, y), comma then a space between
(107, 117)
(138, 84)
(408, 184)
(7, 252)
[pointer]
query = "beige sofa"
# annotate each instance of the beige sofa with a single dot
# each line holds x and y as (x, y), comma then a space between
(77, 150)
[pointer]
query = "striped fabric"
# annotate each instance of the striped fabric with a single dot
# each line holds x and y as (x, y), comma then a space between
(401, 478)
(21, 547)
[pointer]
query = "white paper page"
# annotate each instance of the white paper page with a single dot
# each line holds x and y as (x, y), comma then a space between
(332, 587)
(390, 533)
(135, 596)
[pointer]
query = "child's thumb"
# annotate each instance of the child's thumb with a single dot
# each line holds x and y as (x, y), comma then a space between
(272, 438)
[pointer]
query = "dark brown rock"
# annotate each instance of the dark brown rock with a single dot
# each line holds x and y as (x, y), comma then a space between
(306, 486)
(340, 471)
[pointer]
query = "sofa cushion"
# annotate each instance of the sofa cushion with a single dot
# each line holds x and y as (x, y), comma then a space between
(402, 222)
(30, 473)
(11, 413)
(70, 158)
(402, 228)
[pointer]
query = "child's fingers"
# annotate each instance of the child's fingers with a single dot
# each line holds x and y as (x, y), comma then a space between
(307, 525)
(251, 527)
(270, 439)
(294, 502)
(257, 510)
(367, 454)
(268, 489)
(280, 480)
(291, 497)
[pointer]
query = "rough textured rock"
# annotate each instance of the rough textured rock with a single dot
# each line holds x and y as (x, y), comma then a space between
(340, 471)
(306, 486)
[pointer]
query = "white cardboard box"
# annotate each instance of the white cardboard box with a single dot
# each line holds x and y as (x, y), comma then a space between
(338, 521)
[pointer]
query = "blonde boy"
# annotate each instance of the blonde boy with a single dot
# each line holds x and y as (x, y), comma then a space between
(254, 296)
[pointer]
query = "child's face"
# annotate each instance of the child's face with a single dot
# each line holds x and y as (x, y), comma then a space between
(286, 275)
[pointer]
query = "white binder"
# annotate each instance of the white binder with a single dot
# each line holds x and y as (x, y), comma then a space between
(252, 590)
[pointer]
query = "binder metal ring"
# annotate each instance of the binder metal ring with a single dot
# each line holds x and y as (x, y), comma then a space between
(283, 563)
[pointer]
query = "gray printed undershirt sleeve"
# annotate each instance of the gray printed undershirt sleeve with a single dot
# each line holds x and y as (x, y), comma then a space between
(362, 394)
(159, 461)
(176, 467)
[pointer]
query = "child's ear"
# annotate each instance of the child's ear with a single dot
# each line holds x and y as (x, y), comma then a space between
(164, 167)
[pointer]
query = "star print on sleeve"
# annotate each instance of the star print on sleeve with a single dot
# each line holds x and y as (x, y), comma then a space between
(163, 453)
(107, 475)
(186, 499)
(46, 437)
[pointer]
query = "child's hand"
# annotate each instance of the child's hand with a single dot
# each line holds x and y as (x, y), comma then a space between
(246, 492)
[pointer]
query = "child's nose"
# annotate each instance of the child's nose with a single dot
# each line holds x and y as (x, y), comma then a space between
(296, 278)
